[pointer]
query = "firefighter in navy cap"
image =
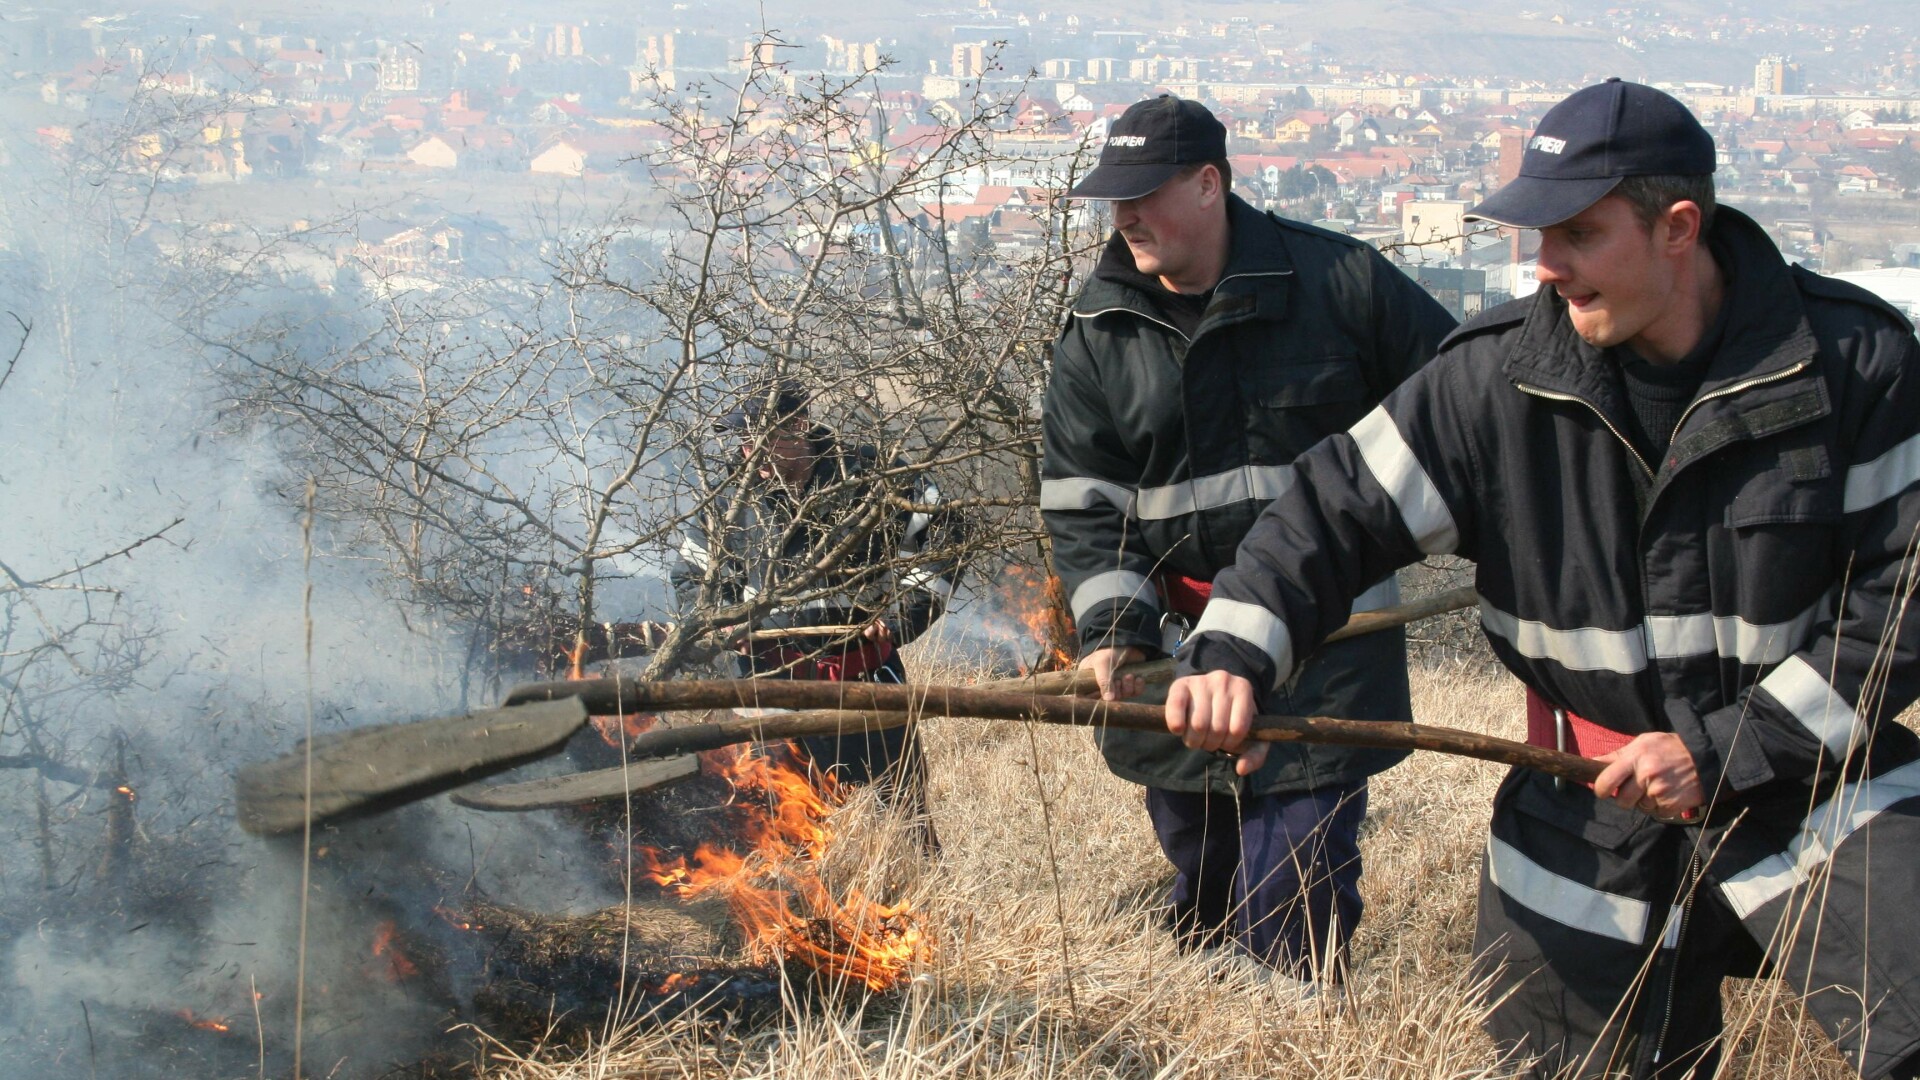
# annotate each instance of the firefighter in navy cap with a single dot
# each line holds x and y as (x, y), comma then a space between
(1212, 345)
(1688, 475)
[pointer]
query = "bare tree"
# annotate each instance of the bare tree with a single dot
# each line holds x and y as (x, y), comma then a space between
(510, 447)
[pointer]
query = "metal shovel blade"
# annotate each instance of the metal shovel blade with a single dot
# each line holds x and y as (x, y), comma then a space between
(577, 788)
(375, 768)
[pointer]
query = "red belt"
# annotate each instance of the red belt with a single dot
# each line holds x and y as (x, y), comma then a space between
(1184, 595)
(843, 665)
(1583, 736)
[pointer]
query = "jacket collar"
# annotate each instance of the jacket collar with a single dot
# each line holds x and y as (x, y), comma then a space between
(1258, 264)
(1766, 333)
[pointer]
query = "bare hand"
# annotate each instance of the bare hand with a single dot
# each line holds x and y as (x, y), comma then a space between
(878, 633)
(1104, 662)
(735, 635)
(1215, 711)
(1653, 774)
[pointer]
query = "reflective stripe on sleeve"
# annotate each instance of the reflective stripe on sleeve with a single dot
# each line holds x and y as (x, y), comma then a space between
(1253, 624)
(1813, 701)
(1881, 479)
(918, 522)
(1563, 899)
(694, 552)
(1849, 810)
(1585, 648)
(1244, 484)
(920, 577)
(1392, 463)
(1084, 493)
(1729, 636)
(1383, 593)
(1122, 585)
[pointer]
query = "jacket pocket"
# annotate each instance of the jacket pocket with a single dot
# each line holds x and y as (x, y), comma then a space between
(1800, 491)
(1326, 381)
(1578, 812)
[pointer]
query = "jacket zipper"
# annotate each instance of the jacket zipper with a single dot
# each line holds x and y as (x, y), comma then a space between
(1748, 384)
(1673, 962)
(1724, 391)
(1133, 311)
(1163, 322)
(1553, 396)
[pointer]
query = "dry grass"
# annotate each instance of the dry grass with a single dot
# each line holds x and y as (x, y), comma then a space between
(1032, 981)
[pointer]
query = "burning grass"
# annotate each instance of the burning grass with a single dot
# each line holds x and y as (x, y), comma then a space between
(769, 872)
(1001, 998)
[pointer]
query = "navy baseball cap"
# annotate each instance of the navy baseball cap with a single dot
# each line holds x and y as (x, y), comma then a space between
(1151, 141)
(1586, 144)
(788, 398)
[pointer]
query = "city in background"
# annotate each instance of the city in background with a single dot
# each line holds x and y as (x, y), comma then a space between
(456, 122)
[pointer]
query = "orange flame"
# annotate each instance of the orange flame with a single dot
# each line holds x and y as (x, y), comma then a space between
(773, 886)
(397, 965)
(1037, 601)
(614, 729)
(203, 1023)
(454, 920)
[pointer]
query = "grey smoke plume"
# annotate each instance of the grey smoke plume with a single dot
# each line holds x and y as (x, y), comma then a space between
(169, 665)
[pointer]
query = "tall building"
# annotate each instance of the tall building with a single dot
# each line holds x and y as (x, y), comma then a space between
(761, 52)
(564, 40)
(399, 70)
(969, 59)
(654, 51)
(1777, 75)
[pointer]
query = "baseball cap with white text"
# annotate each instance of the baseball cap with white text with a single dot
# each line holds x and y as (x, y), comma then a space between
(1588, 143)
(1152, 140)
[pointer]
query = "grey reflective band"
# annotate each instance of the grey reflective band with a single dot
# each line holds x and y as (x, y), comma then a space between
(1084, 493)
(1382, 593)
(1563, 899)
(1392, 463)
(917, 523)
(1730, 637)
(1253, 624)
(1248, 483)
(1671, 938)
(1585, 648)
(694, 552)
(1124, 585)
(1813, 701)
(1847, 812)
(784, 616)
(1245, 484)
(920, 577)
(1881, 479)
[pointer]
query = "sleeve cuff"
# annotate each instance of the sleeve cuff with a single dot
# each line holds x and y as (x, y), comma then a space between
(1727, 758)
(1220, 652)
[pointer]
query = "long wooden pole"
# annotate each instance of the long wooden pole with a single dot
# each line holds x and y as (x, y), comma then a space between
(371, 768)
(602, 696)
(639, 696)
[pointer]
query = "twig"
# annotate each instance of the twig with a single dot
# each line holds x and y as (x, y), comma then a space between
(15, 581)
(1053, 866)
(26, 331)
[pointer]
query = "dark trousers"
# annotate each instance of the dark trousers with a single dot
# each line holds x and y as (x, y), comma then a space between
(1275, 875)
(888, 758)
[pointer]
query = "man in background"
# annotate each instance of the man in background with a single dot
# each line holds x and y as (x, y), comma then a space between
(801, 496)
(1212, 345)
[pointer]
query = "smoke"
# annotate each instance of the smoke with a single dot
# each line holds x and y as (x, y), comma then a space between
(166, 615)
